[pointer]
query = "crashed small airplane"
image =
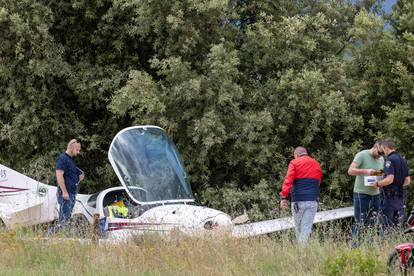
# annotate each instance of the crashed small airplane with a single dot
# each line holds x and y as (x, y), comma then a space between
(155, 188)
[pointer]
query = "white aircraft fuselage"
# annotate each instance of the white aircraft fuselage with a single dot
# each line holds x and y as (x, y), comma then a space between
(153, 181)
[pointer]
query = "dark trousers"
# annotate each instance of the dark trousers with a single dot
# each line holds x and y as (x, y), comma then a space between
(392, 208)
(366, 212)
(366, 207)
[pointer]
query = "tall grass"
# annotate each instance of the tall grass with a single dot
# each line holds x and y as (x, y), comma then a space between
(328, 253)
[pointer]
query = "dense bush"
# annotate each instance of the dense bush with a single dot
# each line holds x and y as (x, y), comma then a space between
(237, 85)
(353, 262)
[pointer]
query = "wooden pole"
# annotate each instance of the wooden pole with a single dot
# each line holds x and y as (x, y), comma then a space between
(95, 230)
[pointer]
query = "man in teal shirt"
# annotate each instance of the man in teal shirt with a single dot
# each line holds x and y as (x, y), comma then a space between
(366, 198)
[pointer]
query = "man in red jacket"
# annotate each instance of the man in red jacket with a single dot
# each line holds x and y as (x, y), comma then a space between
(302, 181)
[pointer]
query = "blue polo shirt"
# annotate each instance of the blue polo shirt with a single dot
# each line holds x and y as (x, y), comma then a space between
(397, 166)
(71, 172)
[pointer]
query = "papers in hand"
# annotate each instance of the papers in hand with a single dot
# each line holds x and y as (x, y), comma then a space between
(371, 179)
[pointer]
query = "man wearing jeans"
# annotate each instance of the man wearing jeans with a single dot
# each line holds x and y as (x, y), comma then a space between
(68, 175)
(302, 181)
(366, 198)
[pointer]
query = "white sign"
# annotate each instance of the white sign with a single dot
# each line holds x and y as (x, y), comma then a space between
(370, 180)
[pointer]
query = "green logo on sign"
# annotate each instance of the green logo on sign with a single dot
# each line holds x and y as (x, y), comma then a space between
(42, 191)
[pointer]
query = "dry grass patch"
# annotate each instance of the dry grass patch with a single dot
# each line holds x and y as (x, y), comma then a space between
(327, 254)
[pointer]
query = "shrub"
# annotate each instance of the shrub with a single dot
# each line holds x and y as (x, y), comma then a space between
(353, 262)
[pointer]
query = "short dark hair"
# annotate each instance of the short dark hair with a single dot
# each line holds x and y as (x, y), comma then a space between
(389, 143)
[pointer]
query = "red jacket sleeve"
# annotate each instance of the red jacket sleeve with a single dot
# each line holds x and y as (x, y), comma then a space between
(287, 184)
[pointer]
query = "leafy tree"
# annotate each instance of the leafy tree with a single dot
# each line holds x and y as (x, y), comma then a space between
(237, 85)
(31, 73)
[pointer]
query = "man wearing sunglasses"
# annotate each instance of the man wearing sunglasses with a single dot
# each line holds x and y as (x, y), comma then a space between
(366, 197)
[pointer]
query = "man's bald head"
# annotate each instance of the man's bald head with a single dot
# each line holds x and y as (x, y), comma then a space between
(300, 151)
(73, 148)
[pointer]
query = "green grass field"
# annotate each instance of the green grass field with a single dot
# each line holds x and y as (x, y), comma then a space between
(328, 253)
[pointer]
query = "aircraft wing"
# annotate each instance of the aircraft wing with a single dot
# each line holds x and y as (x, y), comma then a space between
(274, 225)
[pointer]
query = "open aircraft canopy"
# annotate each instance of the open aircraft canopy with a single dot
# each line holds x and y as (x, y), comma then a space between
(149, 166)
(152, 173)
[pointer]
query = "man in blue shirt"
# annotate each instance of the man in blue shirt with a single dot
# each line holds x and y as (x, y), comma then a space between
(68, 175)
(396, 178)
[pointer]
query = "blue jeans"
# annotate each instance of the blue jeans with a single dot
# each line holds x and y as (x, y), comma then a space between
(366, 207)
(303, 215)
(65, 208)
(366, 212)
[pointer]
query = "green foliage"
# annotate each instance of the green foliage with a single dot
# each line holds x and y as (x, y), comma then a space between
(31, 72)
(259, 201)
(353, 262)
(237, 85)
(400, 125)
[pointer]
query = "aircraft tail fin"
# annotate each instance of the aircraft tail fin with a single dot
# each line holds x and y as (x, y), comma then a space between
(13, 182)
(19, 191)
